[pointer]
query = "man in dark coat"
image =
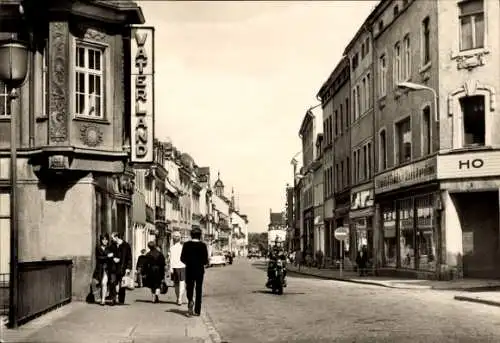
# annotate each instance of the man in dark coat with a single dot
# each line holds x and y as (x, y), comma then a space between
(195, 256)
(123, 261)
(362, 261)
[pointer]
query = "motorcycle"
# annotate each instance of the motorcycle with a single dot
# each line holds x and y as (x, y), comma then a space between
(277, 280)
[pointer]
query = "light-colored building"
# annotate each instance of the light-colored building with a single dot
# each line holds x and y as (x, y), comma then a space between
(359, 127)
(319, 223)
(335, 100)
(221, 214)
(436, 184)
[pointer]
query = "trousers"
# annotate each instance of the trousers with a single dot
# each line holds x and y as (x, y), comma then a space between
(194, 284)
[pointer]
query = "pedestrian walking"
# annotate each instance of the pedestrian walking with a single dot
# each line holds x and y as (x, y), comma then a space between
(195, 256)
(177, 268)
(362, 261)
(141, 260)
(155, 270)
(123, 262)
(105, 270)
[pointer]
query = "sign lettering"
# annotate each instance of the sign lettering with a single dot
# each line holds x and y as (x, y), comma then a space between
(408, 175)
(468, 164)
(142, 96)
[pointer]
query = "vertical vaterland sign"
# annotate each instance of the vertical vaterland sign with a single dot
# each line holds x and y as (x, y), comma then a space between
(142, 93)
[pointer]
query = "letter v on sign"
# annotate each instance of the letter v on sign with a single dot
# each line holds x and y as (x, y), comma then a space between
(140, 38)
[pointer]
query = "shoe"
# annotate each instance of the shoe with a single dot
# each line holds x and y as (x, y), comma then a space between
(190, 308)
(197, 314)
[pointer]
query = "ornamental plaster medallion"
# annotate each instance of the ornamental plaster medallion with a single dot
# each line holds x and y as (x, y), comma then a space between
(91, 135)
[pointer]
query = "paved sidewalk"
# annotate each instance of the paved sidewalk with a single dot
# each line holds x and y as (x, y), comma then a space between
(138, 321)
(466, 285)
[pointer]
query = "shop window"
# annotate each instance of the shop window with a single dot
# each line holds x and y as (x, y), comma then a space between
(471, 24)
(89, 77)
(403, 132)
(4, 101)
(473, 120)
(390, 237)
(406, 233)
(426, 243)
(426, 131)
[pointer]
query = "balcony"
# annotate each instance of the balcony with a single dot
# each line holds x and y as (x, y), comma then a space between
(159, 214)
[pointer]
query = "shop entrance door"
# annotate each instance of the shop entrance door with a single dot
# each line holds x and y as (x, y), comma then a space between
(478, 214)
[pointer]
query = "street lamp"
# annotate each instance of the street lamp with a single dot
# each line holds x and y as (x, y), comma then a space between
(419, 87)
(13, 72)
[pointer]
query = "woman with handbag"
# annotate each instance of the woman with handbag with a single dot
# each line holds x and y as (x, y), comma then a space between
(155, 270)
(105, 269)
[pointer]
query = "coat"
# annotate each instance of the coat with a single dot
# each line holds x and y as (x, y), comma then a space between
(103, 262)
(124, 253)
(154, 269)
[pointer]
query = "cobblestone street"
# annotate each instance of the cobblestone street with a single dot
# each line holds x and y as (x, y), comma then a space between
(315, 310)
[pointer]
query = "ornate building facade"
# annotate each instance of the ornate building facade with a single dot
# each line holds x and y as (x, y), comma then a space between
(73, 131)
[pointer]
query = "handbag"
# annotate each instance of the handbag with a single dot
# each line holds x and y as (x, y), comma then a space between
(163, 287)
(127, 282)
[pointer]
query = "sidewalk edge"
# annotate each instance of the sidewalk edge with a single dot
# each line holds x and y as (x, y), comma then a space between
(214, 336)
(358, 281)
(477, 300)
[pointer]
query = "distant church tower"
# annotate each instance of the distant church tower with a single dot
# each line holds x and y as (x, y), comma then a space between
(219, 186)
(233, 203)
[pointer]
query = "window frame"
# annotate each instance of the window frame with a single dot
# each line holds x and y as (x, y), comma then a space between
(407, 57)
(4, 98)
(104, 50)
(382, 75)
(396, 124)
(382, 163)
(462, 127)
(425, 54)
(472, 16)
(396, 64)
(424, 106)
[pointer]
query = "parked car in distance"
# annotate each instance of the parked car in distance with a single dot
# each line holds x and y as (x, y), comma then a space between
(217, 259)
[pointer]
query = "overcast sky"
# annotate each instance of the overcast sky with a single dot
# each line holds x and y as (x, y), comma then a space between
(234, 79)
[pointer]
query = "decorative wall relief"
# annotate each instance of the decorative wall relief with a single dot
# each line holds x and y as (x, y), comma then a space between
(470, 61)
(95, 35)
(91, 135)
(470, 88)
(59, 81)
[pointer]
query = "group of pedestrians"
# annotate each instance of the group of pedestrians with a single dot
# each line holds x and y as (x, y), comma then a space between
(186, 269)
(113, 263)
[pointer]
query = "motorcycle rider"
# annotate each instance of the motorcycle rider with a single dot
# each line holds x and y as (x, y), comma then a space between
(276, 253)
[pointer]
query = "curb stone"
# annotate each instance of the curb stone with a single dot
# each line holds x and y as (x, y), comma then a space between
(367, 282)
(214, 336)
(477, 300)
